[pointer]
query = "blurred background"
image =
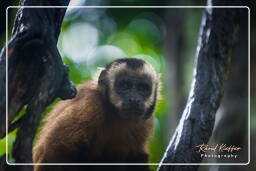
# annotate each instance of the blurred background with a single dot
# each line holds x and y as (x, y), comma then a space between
(166, 38)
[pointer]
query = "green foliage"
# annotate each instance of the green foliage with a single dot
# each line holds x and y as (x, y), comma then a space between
(11, 139)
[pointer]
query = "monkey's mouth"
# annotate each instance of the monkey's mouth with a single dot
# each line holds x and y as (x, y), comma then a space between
(132, 111)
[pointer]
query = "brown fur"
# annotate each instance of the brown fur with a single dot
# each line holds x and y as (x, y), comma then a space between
(83, 120)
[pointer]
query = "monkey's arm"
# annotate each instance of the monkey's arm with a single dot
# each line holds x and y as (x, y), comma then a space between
(61, 141)
(68, 130)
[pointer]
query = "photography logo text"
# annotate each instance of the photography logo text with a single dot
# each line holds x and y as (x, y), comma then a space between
(218, 151)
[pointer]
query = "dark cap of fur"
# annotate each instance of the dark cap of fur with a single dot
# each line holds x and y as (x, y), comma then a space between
(132, 63)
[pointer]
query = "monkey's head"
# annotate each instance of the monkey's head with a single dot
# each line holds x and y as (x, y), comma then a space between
(130, 87)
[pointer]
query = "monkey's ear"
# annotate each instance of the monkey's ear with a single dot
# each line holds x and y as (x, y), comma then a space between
(159, 87)
(102, 76)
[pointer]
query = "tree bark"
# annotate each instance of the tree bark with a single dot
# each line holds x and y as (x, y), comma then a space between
(36, 73)
(217, 37)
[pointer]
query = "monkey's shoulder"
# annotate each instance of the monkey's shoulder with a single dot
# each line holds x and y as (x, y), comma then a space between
(87, 100)
(84, 110)
(75, 118)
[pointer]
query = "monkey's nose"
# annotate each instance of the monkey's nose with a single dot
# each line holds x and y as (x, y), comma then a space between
(134, 101)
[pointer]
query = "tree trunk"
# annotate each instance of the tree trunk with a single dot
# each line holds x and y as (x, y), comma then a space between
(217, 37)
(36, 73)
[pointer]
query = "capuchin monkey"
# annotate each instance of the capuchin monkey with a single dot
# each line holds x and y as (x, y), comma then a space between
(109, 121)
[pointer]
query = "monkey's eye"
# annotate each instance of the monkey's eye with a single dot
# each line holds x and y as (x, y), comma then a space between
(125, 84)
(143, 87)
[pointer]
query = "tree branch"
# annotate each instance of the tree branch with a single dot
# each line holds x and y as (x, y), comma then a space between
(36, 73)
(217, 36)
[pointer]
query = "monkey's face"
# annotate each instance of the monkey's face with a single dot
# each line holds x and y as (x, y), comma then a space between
(130, 86)
(133, 90)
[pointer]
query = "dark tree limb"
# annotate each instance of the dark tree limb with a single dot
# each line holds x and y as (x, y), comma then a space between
(36, 73)
(217, 37)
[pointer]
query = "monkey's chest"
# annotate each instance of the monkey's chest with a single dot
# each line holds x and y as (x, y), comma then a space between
(115, 145)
